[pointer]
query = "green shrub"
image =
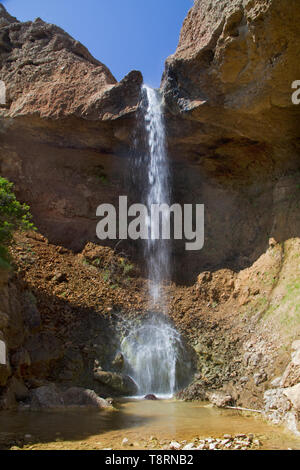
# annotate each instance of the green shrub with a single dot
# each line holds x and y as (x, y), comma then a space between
(13, 216)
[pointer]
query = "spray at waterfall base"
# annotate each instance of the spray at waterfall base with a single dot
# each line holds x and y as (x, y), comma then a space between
(156, 357)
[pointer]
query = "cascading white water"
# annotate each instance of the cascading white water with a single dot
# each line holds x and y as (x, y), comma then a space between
(158, 192)
(153, 351)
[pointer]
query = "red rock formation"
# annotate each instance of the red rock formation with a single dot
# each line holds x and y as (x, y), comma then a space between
(232, 74)
(233, 129)
(67, 122)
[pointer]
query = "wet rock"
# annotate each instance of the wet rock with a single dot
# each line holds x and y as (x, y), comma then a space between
(118, 383)
(150, 397)
(118, 362)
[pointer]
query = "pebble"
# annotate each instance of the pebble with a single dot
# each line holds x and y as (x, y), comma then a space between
(125, 442)
(175, 445)
(189, 446)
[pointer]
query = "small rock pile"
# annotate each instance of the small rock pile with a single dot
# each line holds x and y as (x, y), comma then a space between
(228, 442)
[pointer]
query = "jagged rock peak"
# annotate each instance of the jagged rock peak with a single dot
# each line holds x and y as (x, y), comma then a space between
(51, 74)
(5, 17)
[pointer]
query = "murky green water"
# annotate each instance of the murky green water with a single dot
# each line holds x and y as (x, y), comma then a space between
(138, 421)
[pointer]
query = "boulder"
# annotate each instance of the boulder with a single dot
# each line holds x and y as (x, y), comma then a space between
(220, 399)
(118, 383)
(276, 400)
(77, 396)
(47, 396)
(150, 397)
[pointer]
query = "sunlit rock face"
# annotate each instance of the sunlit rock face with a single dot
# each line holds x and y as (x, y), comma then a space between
(65, 126)
(232, 73)
(233, 129)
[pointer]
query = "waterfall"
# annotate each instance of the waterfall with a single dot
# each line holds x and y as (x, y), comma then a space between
(154, 354)
(157, 252)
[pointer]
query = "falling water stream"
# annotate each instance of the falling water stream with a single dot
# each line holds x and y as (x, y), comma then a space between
(153, 351)
(158, 189)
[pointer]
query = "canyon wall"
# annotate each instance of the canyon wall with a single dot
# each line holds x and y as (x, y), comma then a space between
(233, 129)
(64, 129)
(233, 139)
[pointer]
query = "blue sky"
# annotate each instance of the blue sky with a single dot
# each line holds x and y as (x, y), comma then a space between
(123, 34)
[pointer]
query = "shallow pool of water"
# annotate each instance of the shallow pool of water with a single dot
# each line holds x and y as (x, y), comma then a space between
(138, 420)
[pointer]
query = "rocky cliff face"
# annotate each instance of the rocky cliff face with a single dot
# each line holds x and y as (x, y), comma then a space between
(228, 92)
(232, 74)
(64, 128)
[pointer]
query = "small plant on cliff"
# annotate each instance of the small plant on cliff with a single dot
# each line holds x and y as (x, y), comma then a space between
(13, 216)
